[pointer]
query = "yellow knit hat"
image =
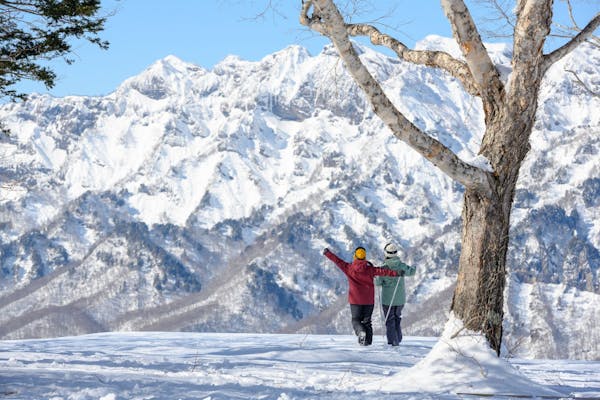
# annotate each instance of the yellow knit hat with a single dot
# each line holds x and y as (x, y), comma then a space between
(360, 253)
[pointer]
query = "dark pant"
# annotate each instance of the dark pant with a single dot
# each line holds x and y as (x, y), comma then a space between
(393, 331)
(361, 320)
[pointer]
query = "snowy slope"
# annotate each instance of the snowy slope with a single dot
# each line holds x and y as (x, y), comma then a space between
(194, 199)
(156, 365)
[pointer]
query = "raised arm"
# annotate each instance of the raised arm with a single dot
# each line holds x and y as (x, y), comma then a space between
(408, 270)
(341, 264)
(377, 271)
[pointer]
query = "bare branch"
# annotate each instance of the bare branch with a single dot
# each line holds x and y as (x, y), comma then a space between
(567, 32)
(20, 7)
(568, 47)
(482, 68)
(327, 20)
(503, 21)
(583, 84)
(435, 59)
(313, 22)
(571, 16)
(502, 11)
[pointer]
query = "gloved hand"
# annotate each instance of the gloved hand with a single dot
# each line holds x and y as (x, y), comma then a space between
(401, 273)
(325, 250)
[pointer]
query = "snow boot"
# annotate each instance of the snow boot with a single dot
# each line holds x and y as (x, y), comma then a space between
(362, 338)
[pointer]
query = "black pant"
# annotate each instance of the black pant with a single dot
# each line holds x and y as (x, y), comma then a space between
(393, 331)
(361, 320)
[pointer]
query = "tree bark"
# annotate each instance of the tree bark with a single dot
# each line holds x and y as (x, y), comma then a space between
(479, 294)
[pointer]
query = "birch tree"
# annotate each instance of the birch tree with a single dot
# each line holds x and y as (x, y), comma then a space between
(509, 110)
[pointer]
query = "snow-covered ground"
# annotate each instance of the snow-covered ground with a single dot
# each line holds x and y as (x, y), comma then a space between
(152, 365)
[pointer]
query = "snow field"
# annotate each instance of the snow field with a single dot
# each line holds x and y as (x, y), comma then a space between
(153, 365)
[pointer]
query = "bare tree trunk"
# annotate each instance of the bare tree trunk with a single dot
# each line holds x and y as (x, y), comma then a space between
(479, 293)
(478, 297)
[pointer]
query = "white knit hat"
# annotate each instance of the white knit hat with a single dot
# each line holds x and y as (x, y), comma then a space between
(390, 250)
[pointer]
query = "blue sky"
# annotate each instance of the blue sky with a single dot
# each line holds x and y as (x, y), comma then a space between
(204, 32)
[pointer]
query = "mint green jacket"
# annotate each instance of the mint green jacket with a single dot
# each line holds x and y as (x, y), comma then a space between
(388, 284)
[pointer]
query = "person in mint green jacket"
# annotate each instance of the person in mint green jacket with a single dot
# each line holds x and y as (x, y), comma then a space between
(393, 294)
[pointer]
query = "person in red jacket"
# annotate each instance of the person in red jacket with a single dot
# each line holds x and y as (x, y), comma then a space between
(361, 293)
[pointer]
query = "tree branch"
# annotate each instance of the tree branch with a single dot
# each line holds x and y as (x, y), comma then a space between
(582, 84)
(19, 7)
(435, 59)
(482, 68)
(568, 47)
(326, 19)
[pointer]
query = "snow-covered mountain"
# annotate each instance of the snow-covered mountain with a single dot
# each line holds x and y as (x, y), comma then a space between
(194, 199)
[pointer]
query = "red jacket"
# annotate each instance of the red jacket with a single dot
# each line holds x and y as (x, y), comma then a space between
(360, 275)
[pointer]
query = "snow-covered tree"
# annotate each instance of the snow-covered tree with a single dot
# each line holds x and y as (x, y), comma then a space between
(509, 109)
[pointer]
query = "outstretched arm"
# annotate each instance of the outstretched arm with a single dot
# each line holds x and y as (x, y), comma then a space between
(377, 271)
(341, 264)
(408, 270)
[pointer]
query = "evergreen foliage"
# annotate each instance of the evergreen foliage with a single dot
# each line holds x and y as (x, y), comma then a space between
(34, 31)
